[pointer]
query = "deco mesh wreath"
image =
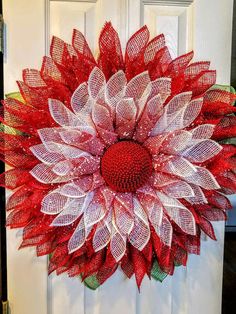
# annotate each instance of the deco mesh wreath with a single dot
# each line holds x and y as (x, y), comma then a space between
(116, 160)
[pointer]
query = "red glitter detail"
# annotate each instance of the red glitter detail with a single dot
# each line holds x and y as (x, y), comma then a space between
(126, 166)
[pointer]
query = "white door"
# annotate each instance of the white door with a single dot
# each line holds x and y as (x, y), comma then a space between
(204, 26)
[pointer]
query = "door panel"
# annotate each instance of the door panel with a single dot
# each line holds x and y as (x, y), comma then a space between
(187, 25)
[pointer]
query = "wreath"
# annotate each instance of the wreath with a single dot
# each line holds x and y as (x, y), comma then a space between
(119, 161)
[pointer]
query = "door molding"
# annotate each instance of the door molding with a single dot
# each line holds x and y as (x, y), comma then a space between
(47, 18)
(181, 3)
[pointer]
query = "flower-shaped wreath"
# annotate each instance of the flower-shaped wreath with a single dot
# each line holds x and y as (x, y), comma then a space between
(116, 160)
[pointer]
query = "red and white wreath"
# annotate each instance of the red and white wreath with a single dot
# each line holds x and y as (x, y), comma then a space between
(116, 160)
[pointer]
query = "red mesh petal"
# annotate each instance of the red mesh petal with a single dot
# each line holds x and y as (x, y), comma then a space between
(206, 226)
(194, 69)
(134, 54)
(80, 44)
(14, 178)
(179, 64)
(219, 95)
(18, 218)
(49, 71)
(140, 267)
(126, 263)
(201, 83)
(33, 78)
(153, 47)
(226, 128)
(110, 59)
(57, 49)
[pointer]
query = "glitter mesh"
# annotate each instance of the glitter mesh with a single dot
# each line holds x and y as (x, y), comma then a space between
(115, 160)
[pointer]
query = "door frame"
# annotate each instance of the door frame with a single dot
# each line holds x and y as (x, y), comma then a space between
(3, 250)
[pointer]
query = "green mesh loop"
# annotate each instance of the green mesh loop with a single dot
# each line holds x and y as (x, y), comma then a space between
(157, 273)
(231, 89)
(5, 128)
(92, 282)
(15, 95)
(226, 88)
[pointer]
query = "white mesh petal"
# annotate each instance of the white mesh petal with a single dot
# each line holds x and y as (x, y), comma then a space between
(179, 166)
(161, 86)
(154, 106)
(151, 204)
(155, 214)
(108, 137)
(96, 83)
(48, 135)
(153, 144)
(72, 190)
(202, 151)
(83, 140)
(162, 179)
(139, 88)
(66, 150)
(62, 115)
(86, 165)
(44, 174)
(79, 97)
(71, 211)
(108, 195)
(184, 117)
(203, 178)
(173, 116)
(53, 203)
(140, 234)
(203, 131)
(191, 111)
(94, 212)
(45, 156)
(165, 231)
(178, 189)
(115, 89)
(179, 213)
(183, 218)
(123, 213)
(176, 142)
(102, 236)
(102, 117)
(150, 115)
(199, 197)
(125, 109)
(117, 244)
(85, 113)
(62, 168)
(169, 201)
(178, 102)
(126, 112)
(78, 237)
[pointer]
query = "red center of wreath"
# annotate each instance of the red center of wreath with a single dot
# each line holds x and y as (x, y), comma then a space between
(126, 166)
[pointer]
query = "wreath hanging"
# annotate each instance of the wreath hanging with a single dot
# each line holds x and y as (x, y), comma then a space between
(117, 161)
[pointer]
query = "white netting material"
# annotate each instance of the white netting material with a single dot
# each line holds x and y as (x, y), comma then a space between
(179, 213)
(104, 112)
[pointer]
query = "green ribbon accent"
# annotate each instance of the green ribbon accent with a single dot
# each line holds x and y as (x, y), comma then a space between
(230, 89)
(5, 128)
(92, 282)
(226, 88)
(157, 273)
(15, 95)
